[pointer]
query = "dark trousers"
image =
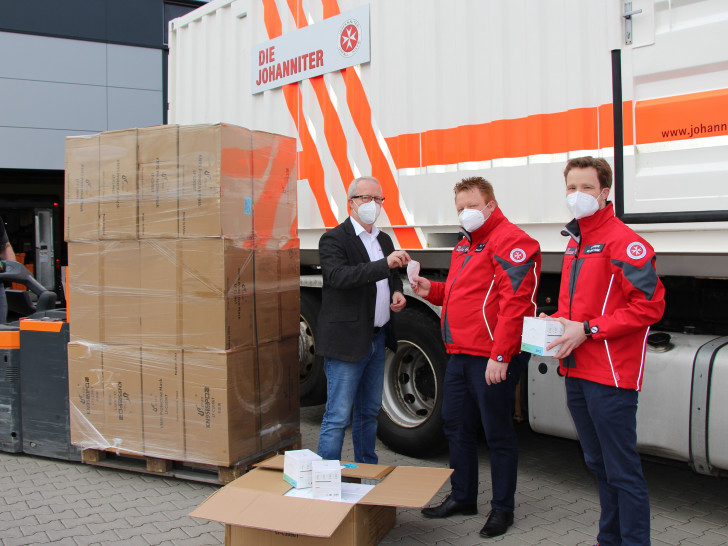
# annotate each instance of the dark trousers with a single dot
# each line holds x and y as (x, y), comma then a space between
(606, 421)
(468, 402)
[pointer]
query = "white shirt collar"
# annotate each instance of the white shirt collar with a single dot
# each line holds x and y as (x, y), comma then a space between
(359, 229)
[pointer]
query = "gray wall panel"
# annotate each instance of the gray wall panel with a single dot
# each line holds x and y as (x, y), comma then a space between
(53, 105)
(134, 67)
(52, 59)
(33, 148)
(134, 108)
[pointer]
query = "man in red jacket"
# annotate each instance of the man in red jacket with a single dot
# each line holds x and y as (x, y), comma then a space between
(610, 295)
(490, 287)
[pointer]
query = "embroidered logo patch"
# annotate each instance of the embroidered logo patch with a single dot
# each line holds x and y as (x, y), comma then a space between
(571, 251)
(636, 251)
(462, 248)
(518, 255)
(480, 247)
(593, 249)
(499, 358)
(594, 329)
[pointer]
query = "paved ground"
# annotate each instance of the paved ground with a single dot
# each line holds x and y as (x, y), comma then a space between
(46, 501)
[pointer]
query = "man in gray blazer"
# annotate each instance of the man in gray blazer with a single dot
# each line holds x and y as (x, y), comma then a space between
(361, 286)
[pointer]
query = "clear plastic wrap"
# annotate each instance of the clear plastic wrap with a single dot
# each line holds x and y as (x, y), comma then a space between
(183, 296)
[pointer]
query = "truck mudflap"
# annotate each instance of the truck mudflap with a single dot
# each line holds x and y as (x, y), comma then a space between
(682, 410)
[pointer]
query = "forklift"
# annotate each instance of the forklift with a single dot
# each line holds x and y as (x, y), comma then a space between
(34, 370)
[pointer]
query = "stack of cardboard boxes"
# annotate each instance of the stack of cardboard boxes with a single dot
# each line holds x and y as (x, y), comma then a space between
(183, 292)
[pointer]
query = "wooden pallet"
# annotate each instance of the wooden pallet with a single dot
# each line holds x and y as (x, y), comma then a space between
(204, 473)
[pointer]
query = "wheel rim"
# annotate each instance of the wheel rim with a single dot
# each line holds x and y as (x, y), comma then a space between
(410, 386)
(306, 351)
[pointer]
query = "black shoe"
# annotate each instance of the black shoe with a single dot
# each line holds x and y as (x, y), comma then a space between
(497, 524)
(449, 508)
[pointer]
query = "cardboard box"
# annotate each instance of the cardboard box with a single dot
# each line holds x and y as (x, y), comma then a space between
(289, 289)
(123, 398)
(82, 188)
(83, 303)
(216, 191)
(86, 395)
(120, 293)
(222, 424)
(274, 190)
(326, 479)
(251, 507)
(539, 333)
(161, 289)
(297, 467)
(158, 182)
(162, 403)
(279, 371)
(290, 312)
(267, 300)
(118, 201)
(218, 309)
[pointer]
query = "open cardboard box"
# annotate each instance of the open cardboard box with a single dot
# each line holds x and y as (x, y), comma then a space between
(255, 510)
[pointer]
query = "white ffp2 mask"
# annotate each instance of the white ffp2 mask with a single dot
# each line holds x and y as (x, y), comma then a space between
(581, 204)
(369, 212)
(472, 219)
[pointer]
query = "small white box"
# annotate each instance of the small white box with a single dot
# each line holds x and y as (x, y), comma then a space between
(539, 333)
(326, 479)
(297, 467)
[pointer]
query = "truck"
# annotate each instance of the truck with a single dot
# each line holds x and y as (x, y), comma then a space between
(422, 93)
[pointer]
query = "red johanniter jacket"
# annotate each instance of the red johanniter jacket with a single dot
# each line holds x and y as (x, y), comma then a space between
(490, 287)
(609, 278)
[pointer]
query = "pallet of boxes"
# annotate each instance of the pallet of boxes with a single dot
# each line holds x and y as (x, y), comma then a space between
(183, 297)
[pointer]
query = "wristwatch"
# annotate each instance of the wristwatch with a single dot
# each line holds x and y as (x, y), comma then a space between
(587, 329)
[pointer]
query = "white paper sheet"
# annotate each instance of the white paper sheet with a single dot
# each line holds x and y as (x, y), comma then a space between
(350, 492)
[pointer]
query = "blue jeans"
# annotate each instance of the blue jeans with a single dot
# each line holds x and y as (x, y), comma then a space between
(357, 387)
(469, 401)
(606, 420)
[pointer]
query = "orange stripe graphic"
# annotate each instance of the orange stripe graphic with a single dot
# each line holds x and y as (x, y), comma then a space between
(309, 164)
(361, 113)
(577, 129)
(333, 131)
(696, 115)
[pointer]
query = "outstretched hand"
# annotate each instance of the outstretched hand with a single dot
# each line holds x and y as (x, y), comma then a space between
(398, 258)
(420, 286)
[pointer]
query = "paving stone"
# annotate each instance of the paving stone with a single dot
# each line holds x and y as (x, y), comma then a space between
(556, 503)
(36, 538)
(69, 533)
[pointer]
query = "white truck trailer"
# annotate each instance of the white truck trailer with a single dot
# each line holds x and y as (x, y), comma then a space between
(421, 93)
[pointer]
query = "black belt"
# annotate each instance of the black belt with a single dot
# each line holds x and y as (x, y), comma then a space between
(377, 329)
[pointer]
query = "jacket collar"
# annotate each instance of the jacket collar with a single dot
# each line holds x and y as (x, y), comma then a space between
(590, 224)
(359, 229)
(350, 229)
(482, 234)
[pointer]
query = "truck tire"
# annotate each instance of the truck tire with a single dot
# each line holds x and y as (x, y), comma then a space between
(410, 422)
(312, 376)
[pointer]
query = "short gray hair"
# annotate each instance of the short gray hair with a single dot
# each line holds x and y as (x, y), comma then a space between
(352, 186)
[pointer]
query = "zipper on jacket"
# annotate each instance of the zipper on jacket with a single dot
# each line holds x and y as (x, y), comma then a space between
(447, 301)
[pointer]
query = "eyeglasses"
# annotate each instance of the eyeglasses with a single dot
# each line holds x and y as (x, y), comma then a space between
(368, 198)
